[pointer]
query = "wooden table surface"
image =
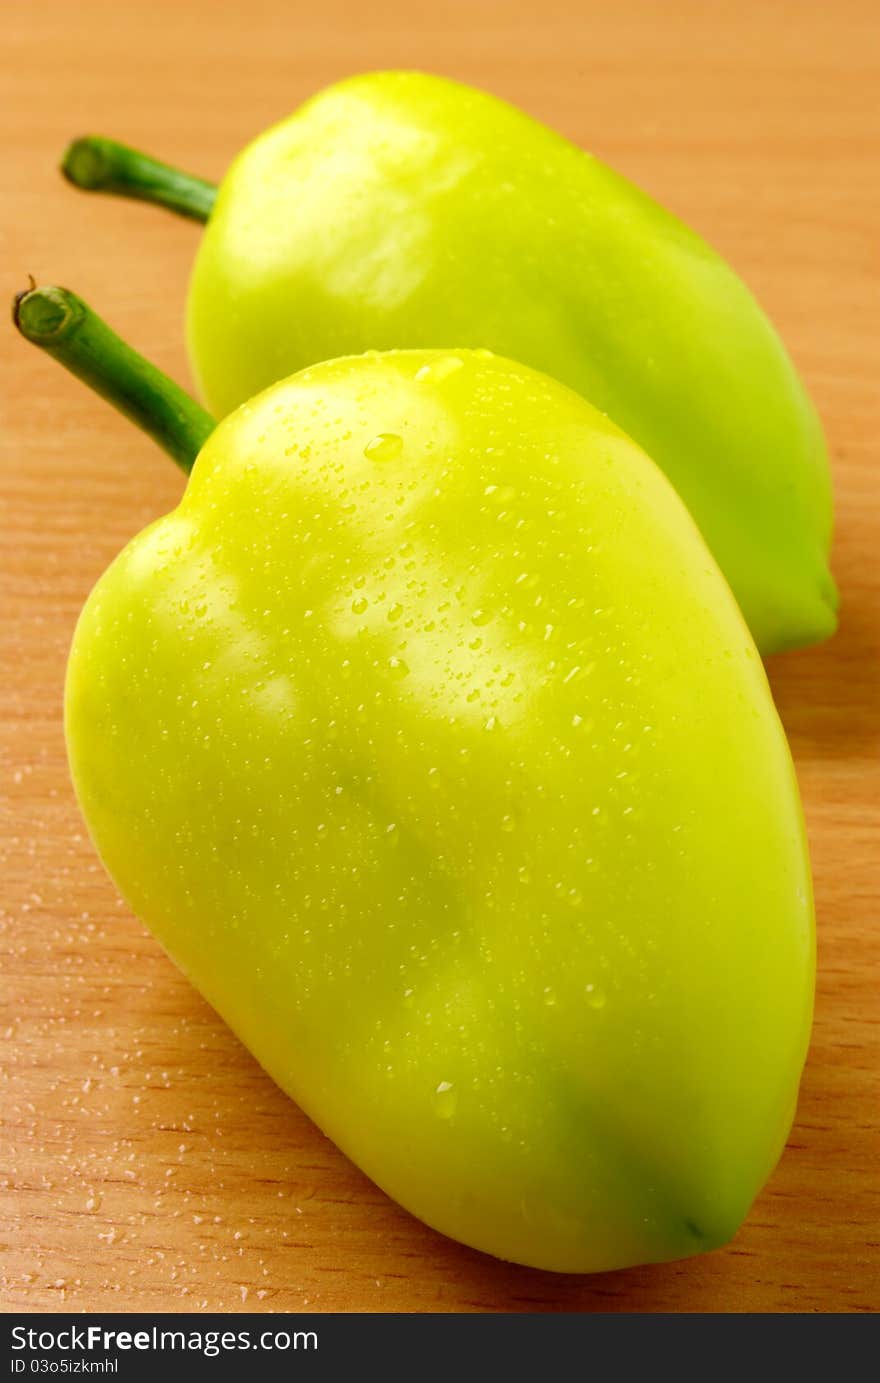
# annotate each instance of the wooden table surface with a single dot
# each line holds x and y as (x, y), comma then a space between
(147, 1163)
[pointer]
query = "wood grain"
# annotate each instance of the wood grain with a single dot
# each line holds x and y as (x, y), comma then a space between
(147, 1162)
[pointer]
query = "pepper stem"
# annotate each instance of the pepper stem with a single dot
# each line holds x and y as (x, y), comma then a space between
(102, 165)
(63, 325)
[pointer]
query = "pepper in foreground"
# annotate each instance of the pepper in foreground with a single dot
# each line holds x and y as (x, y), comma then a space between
(399, 209)
(429, 741)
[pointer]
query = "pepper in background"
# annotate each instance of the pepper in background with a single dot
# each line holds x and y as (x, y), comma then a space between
(428, 739)
(403, 210)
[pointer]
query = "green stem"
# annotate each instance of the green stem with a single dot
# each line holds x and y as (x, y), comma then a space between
(102, 165)
(61, 324)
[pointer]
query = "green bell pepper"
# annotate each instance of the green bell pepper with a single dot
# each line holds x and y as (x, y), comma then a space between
(403, 210)
(428, 739)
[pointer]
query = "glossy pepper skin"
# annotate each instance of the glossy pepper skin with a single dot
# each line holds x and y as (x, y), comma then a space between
(403, 210)
(428, 739)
